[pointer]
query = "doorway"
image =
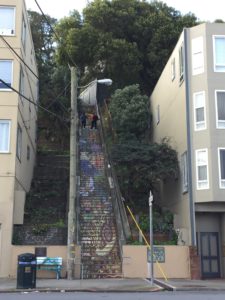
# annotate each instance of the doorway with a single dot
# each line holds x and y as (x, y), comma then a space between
(210, 261)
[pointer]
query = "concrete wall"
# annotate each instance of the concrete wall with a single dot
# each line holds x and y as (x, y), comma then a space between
(177, 262)
(52, 251)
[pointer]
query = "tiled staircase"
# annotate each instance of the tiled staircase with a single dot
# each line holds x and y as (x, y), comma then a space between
(100, 253)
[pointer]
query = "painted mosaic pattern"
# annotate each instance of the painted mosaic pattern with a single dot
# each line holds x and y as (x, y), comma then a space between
(100, 252)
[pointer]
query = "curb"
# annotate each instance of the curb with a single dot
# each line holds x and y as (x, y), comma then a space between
(28, 291)
(165, 285)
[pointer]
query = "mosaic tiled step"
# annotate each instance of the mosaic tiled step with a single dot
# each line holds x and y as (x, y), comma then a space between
(93, 209)
(89, 210)
(100, 271)
(107, 249)
(96, 204)
(98, 208)
(98, 260)
(91, 223)
(100, 253)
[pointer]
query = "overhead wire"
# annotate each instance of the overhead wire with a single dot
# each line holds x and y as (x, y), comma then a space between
(55, 33)
(29, 100)
(36, 76)
(26, 65)
(20, 58)
(60, 94)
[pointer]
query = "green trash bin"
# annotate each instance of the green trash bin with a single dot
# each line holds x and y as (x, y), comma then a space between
(26, 271)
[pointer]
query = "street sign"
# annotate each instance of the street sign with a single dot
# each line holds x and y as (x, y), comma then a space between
(158, 254)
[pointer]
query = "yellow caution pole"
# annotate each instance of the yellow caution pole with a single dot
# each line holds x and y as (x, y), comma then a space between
(146, 242)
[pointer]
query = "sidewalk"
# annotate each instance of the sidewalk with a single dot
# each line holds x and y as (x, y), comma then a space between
(8, 285)
(192, 285)
(87, 285)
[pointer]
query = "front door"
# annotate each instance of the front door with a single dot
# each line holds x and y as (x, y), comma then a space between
(210, 262)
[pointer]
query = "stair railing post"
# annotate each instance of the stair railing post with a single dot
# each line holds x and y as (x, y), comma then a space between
(72, 186)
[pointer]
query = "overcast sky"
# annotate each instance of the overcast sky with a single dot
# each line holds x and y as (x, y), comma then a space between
(206, 10)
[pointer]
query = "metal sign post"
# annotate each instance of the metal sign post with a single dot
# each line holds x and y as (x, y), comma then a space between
(151, 237)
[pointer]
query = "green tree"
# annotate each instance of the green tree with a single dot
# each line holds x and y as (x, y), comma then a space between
(44, 50)
(139, 164)
(126, 40)
(130, 113)
(54, 89)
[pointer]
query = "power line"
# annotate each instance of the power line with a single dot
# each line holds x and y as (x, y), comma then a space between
(56, 35)
(20, 58)
(29, 100)
(56, 98)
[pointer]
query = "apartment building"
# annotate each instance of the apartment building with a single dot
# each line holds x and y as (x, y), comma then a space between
(188, 105)
(18, 118)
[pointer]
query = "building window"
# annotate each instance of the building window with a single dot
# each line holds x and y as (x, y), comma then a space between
(24, 34)
(197, 56)
(181, 62)
(222, 167)
(220, 109)
(173, 69)
(7, 20)
(4, 136)
(199, 111)
(6, 74)
(21, 83)
(219, 53)
(19, 142)
(158, 114)
(202, 169)
(28, 153)
(184, 169)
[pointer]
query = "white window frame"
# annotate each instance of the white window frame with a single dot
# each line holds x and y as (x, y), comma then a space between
(220, 124)
(7, 88)
(217, 66)
(19, 142)
(202, 184)
(197, 56)
(199, 125)
(221, 181)
(173, 69)
(9, 130)
(181, 62)
(184, 169)
(8, 31)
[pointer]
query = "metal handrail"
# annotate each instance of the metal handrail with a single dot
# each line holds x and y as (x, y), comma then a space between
(118, 203)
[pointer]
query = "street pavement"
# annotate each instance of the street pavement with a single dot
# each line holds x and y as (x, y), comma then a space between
(8, 285)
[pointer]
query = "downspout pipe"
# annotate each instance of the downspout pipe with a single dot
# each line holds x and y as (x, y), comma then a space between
(189, 140)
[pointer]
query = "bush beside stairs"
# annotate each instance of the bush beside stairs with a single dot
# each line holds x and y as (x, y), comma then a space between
(100, 253)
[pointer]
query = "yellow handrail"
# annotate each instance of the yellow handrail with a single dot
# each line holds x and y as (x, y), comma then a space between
(146, 242)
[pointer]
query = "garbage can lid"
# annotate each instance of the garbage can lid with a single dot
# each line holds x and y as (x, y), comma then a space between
(26, 257)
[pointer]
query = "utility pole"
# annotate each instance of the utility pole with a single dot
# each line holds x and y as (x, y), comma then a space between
(73, 178)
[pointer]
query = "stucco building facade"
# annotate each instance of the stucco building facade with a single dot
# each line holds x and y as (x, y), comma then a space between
(188, 105)
(18, 117)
